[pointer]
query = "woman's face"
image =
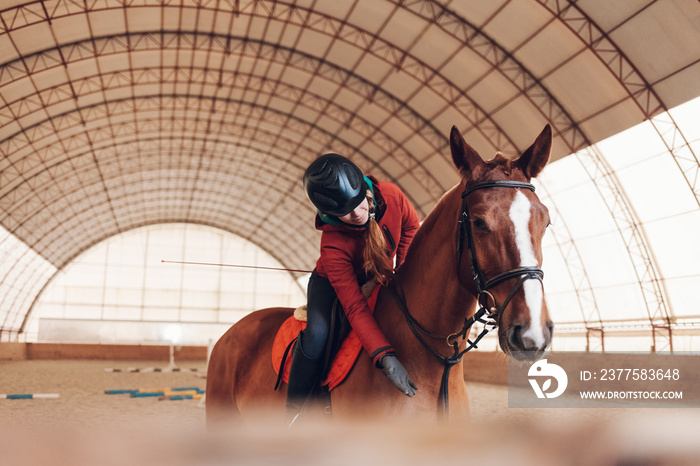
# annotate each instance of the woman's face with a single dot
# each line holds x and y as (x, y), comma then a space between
(359, 216)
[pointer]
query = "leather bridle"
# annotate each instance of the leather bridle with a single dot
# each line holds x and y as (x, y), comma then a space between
(489, 316)
(464, 233)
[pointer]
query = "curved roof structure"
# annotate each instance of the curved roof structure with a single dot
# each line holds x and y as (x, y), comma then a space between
(116, 114)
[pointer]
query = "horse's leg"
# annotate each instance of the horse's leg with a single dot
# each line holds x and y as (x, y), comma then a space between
(459, 399)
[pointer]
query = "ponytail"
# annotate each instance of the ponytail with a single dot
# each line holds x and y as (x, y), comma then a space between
(377, 263)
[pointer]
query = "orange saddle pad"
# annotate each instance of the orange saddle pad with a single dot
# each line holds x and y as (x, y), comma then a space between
(347, 354)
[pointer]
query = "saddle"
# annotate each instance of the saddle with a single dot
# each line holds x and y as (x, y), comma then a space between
(342, 349)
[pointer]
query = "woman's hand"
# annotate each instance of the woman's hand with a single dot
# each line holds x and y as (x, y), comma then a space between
(394, 370)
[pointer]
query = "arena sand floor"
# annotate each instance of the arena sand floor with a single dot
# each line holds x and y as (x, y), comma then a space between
(84, 426)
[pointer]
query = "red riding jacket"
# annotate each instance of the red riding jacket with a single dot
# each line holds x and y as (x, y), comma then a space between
(341, 259)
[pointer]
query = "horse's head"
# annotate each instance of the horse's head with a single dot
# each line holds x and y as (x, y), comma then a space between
(502, 223)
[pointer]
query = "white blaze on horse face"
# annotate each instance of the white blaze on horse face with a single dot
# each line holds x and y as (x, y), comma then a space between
(520, 215)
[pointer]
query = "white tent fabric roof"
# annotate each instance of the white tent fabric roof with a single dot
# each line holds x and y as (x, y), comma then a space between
(116, 114)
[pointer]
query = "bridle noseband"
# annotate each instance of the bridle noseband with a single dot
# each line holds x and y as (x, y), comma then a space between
(489, 316)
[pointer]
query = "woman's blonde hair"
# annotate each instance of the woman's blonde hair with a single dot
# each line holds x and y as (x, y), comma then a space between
(377, 263)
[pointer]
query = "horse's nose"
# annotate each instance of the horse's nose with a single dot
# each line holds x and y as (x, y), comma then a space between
(520, 339)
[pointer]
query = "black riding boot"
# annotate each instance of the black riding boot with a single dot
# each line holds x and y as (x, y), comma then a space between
(304, 375)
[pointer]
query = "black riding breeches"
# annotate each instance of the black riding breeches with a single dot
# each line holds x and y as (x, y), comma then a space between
(320, 298)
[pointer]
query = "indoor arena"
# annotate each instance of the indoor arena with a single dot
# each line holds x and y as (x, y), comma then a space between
(349, 232)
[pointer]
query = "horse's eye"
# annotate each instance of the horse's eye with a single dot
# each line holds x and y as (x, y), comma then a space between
(480, 224)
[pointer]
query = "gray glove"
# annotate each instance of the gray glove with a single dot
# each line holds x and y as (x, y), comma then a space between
(394, 370)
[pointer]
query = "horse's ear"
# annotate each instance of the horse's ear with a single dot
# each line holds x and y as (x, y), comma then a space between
(464, 156)
(534, 159)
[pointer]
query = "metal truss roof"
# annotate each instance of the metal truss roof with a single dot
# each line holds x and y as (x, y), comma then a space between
(120, 113)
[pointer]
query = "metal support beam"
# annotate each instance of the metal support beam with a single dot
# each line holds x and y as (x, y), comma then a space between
(637, 87)
(585, 296)
(662, 338)
(595, 339)
(631, 232)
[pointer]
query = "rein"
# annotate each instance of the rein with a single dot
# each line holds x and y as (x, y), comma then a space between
(489, 316)
(447, 361)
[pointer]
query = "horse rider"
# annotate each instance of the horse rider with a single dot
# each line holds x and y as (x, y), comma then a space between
(365, 223)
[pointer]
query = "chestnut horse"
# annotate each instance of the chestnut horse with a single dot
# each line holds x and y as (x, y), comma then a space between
(480, 244)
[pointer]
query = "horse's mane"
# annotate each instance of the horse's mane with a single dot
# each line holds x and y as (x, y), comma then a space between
(431, 220)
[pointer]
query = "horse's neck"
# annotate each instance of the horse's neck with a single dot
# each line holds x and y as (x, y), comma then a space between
(428, 277)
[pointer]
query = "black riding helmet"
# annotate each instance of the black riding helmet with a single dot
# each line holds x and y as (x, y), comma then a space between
(334, 185)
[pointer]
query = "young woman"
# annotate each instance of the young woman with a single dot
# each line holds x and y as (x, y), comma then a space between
(365, 223)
